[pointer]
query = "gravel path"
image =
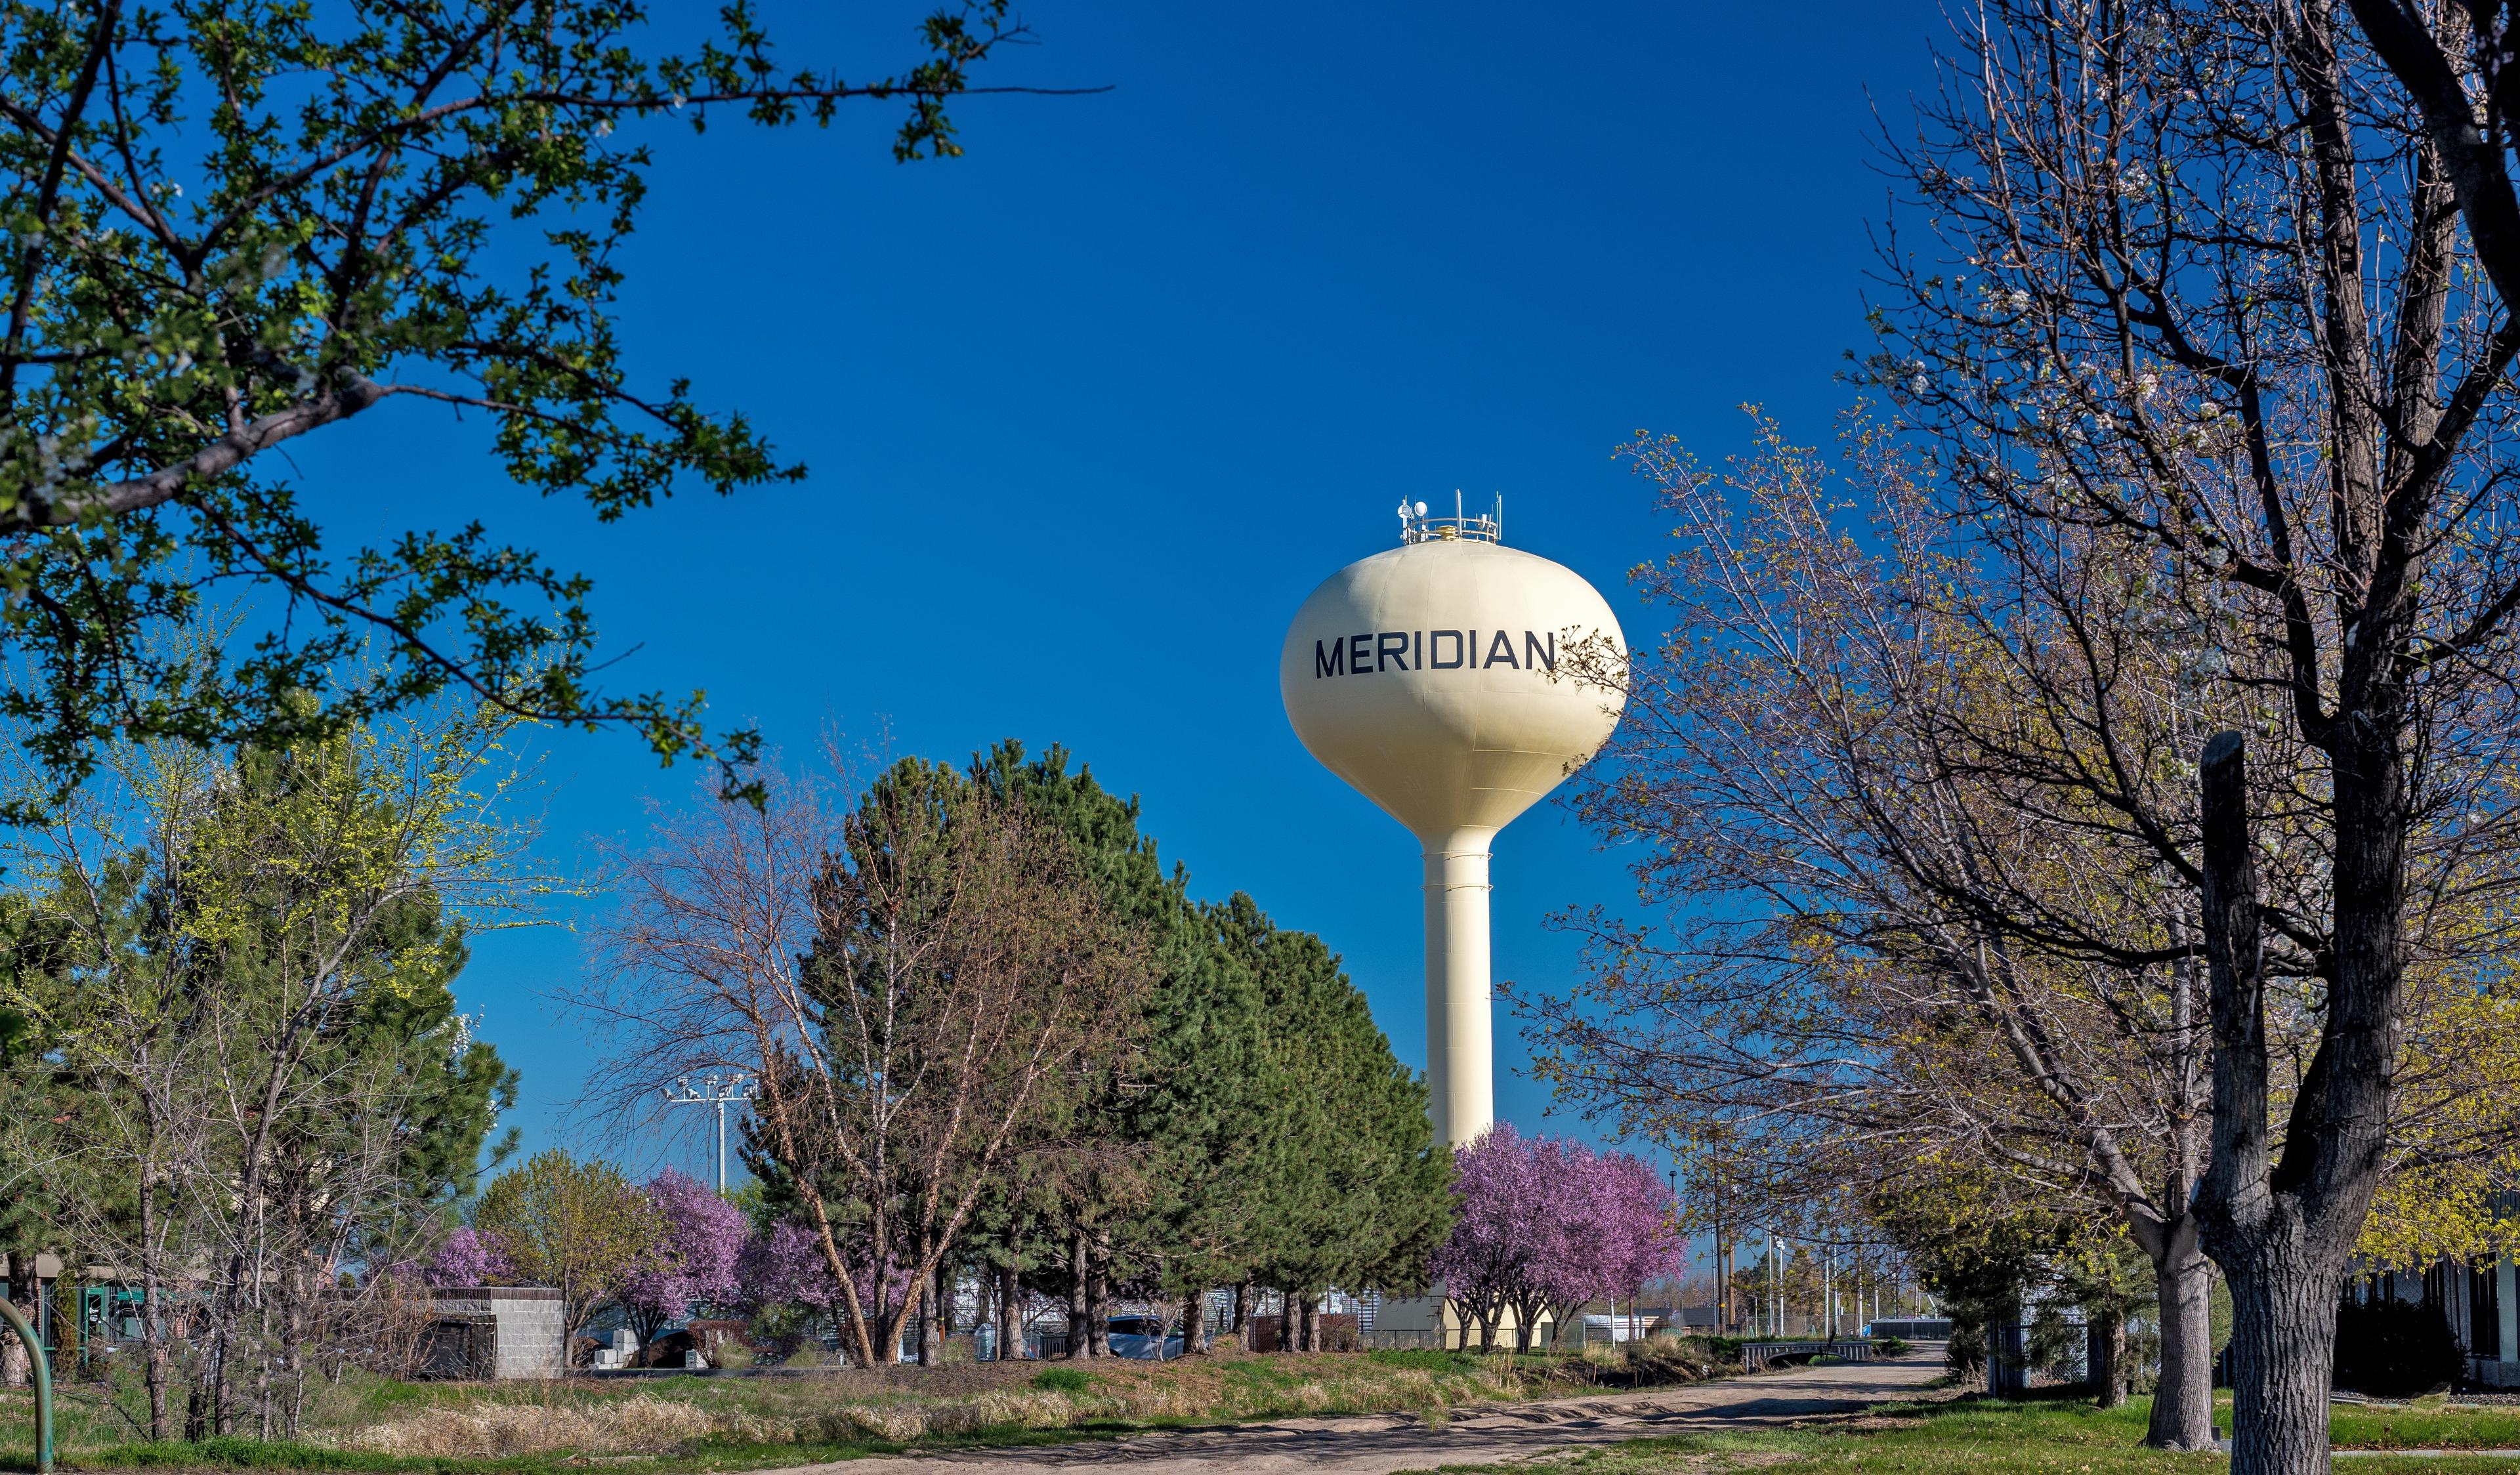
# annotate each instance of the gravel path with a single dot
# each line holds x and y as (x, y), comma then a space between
(1484, 1434)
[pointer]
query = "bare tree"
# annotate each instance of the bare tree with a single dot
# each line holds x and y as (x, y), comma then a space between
(2211, 288)
(1896, 944)
(913, 981)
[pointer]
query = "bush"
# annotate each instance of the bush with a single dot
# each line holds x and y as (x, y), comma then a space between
(1893, 1347)
(1061, 1380)
(1664, 1359)
(1964, 1354)
(2393, 1349)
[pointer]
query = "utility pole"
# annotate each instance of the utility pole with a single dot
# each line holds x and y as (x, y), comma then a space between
(1723, 1268)
(1776, 1286)
(715, 1090)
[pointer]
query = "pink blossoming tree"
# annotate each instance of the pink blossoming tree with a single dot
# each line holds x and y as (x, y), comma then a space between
(466, 1259)
(694, 1262)
(785, 1268)
(1542, 1226)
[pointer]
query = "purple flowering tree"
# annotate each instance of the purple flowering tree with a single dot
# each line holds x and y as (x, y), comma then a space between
(785, 1268)
(467, 1259)
(694, 1262)
(1638, 1227)
(1542, 1226)
(1499, 1229)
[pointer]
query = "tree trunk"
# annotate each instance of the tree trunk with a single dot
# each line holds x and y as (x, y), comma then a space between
(2283, 1234)
(1312, 1339)
(2100, 1370)
(1079, 1318)
(1243, 1295)
(927, 1340)
(292, 1346)
(2005, 1344)
(2183, 1406)
(16, 1362)
(152, 1313)
(1010, 1313)
(1194, 1322)
(1097, 1299)
(2284, 1355)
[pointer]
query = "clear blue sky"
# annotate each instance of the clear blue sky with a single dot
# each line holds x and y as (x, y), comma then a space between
(1091, 410)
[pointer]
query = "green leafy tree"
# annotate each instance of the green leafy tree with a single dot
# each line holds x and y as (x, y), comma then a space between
(579, 1227)
(255, 1080)
(1357, 1191)
(233, 224)
(1158, 1193)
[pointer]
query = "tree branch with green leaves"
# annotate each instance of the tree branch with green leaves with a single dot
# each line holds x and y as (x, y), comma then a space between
(229, 225)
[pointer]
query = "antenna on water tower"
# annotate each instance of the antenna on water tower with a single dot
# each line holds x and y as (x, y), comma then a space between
(1427, 676)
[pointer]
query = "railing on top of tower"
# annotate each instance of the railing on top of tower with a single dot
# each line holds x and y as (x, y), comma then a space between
(1417, 528)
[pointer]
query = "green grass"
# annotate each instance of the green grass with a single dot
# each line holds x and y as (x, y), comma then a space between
(1424, 1359)
(2426, 1424)
(2041, 1436)
(1062, 1380)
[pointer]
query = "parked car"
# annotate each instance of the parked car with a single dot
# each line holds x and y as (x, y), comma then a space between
(1143, 1338)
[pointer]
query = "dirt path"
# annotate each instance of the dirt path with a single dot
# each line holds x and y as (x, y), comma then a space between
(1381, 1443)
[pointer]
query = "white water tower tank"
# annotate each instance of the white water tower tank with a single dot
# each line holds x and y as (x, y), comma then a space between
(1439, 679)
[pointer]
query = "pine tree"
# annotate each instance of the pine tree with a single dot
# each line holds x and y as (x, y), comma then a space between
(1158, 1189)
(1357, 1190)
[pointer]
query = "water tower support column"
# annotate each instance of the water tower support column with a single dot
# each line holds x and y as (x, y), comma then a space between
(1460, 1051)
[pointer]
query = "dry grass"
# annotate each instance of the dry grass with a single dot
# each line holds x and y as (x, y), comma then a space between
(646, 1424)
(899, 1407)
(488, 1430)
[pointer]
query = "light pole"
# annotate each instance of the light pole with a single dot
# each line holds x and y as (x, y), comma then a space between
(1678, 1317)
(1775, 1285)
(715, 1090)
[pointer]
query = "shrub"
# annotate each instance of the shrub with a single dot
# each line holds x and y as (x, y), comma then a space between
(1061, 1380)
(1664, 1359)
(1894, 1347)
(2391, 1349)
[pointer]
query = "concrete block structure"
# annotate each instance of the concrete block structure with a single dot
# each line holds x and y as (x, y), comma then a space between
(494, 1332)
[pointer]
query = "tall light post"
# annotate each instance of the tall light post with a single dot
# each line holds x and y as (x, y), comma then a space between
(1671, 1176)
(715, 1090)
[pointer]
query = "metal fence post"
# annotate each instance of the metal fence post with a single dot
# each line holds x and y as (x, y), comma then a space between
(35, 1345)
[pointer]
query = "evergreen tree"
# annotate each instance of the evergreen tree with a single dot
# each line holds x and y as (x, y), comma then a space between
(1357, 1189)
(1165, 1150)
(1248, 1121)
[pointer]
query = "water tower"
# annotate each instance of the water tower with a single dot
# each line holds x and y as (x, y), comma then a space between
(1439, 678)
